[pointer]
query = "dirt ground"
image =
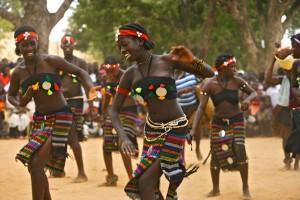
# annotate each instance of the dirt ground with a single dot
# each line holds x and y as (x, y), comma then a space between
(267, 180)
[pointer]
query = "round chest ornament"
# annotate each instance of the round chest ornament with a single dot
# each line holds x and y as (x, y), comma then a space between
(46, 85)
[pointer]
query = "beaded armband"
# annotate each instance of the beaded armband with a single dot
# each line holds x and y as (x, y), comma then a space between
(198, 63)
(122, 91)
(204, 93)
(243, 86)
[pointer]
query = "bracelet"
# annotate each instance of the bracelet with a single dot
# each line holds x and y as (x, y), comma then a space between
(198, 63)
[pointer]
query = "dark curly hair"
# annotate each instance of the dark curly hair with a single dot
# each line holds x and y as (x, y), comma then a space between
(222, 58)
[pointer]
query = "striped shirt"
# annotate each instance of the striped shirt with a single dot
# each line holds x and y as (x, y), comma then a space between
(190, 98)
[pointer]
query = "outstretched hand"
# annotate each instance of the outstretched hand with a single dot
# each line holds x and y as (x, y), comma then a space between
(181, 54)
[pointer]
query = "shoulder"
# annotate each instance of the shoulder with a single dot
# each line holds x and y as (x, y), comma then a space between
(80, 60)
(239, 80)
(52, 59)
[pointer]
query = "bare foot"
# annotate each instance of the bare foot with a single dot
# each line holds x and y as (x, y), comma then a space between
(80, 179)
(213, 193)
(56, 174)
(246, 194)
(198, 154)
(110, 181)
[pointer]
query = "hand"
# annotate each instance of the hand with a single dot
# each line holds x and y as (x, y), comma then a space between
(127, 146)
(282, 53)
(181, 54)
(93, 93)
(25, 98)
(245, 105)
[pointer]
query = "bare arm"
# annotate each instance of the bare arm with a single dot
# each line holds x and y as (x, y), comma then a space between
(119, 99)
(246, 88)
(201, 109)
(182, 58)
(269, 78)
(14, 97)
(62, 64)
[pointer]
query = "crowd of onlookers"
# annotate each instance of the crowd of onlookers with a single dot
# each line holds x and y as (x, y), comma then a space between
(15, 122)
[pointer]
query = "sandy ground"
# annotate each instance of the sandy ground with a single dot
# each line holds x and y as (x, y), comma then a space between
(267, 180)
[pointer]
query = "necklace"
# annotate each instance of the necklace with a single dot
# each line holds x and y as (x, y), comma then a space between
(223, 86)
(147, 63)
(34, 68)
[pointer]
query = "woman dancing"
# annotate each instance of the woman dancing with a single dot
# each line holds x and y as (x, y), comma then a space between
(228, 129)
(150, 80)
(38, 77)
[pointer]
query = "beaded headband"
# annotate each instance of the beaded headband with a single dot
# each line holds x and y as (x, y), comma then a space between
(129, 32)
(68, 40)
(26, 35)
(111, 66)
(226, 63)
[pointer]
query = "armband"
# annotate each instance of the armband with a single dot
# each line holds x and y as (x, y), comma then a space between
(122, 91)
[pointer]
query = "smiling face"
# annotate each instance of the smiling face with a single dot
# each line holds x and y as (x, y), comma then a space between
(228, 70)
(28, 48)
(130, 47)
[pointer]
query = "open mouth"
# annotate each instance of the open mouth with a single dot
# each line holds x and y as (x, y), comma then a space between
(30, 54)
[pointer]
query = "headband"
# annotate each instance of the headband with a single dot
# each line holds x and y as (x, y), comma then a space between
(129, 32)
(111, 66)
(226, 63)
(25, 36)
(68, 40)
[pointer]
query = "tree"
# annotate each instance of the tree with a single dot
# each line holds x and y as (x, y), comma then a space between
(260, 25)
(35, 14)
(209, 28)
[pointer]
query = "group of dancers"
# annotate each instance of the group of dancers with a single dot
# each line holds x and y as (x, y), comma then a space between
(54, 83)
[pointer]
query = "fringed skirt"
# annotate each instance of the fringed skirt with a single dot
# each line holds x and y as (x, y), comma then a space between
(57, 125)
(76, 106)
(110, 138)
(228, 142)
(165, 144)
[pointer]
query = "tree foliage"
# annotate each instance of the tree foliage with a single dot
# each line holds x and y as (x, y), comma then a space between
(248, 29)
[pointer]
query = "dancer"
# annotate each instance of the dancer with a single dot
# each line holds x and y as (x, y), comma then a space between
(71, 87)
(38, 78)
(151, 81)
(228, 129)
(128, 116)
(288, 59)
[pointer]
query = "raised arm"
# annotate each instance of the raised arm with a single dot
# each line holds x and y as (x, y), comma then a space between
(62, 64)
(270, 79)
(183, 59)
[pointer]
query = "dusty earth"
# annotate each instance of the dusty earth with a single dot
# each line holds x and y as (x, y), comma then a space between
(267, 179)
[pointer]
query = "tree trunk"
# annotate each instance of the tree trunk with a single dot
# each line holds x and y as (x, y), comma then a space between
(37, 15)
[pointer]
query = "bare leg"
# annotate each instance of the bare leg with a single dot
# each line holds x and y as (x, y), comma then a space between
(39, 181)
(197, 142)
(148, 181)
(75, 145)
(296, 164)
(215, 177)
(127, 163)
(111, 178)
(244, 176)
